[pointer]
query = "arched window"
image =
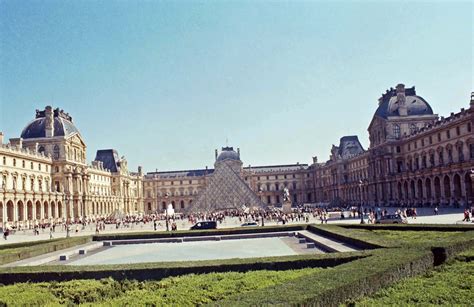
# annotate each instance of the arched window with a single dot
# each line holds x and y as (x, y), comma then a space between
(41, 149)
(56, 152)
(396, 131)
(412, 129)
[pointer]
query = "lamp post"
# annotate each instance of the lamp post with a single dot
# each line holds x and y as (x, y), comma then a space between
(360, 205)
(472, 189)
(166, 214)
(260, 192)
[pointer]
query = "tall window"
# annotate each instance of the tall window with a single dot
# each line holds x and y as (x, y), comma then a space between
(460, 154)
(471, 150)
(450, 156)
(396, 131)
(56, 152)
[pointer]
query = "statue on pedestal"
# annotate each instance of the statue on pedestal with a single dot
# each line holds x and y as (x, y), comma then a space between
(286, 207)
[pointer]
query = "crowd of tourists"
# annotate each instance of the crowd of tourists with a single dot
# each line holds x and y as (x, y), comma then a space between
(159, 220)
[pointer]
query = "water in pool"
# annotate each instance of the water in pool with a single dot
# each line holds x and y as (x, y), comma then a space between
(188, 251)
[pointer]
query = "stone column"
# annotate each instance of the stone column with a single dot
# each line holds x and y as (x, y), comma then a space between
(15, 211)
(463, 188)
(25, 211)
(4, 213)
(49, 210)
(451, 181)
(441, 186)
(433, 192)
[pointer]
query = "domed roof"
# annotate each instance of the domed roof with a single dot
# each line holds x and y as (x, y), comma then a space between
(62, 125)
(415, 105)
(228, 153)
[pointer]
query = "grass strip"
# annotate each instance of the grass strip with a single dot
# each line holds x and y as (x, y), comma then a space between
(449, 284)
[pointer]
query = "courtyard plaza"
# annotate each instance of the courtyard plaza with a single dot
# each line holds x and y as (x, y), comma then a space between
(424, 216)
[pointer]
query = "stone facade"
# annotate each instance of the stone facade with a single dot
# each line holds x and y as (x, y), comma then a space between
(183, 188)
(45, 177)
(414, 158)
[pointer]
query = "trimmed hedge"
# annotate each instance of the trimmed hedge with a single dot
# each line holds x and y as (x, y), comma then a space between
(351, 240)
(451, 284)
(157, 271)
(196, 233)
(411, 227)
(334, 286)
(355, 279)
(20, 251)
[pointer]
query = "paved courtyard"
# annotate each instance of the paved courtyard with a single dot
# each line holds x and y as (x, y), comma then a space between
(425, 216)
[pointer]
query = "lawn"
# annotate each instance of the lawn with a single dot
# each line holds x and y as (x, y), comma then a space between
(399, 272)
(188, 290)
(449, 284)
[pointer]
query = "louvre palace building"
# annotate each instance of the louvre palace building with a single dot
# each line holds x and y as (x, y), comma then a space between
(415, 158)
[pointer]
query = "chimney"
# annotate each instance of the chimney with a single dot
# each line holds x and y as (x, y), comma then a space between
(401, 98)
(140, 170)
(472, 100)
(216, 153)
(16, 142)
(49, 121)
(1, 138)
(238, 152)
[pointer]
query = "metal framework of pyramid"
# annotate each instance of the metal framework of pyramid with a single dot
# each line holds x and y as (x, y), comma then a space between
(226, 190)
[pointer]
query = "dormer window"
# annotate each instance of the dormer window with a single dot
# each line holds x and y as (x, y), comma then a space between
(56, 152)
(396, 131)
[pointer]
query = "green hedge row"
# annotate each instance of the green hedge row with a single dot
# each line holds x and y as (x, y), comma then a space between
(15, 252)
(355, 279)
(348, 238)
(157, 271)
(410, 227)
(195, 233)
(28, 243)
(334, 286)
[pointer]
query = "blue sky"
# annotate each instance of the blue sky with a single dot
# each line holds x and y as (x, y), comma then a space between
(167, 82)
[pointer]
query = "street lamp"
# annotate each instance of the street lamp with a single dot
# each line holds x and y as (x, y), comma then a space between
(260, 192)
(166, 213)
(360, 205)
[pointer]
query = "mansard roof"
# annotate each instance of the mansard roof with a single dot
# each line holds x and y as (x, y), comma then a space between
(62, 125)
(349, 146)
(109, 158)
(277, 168)
(416, 105)
(183, 173)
